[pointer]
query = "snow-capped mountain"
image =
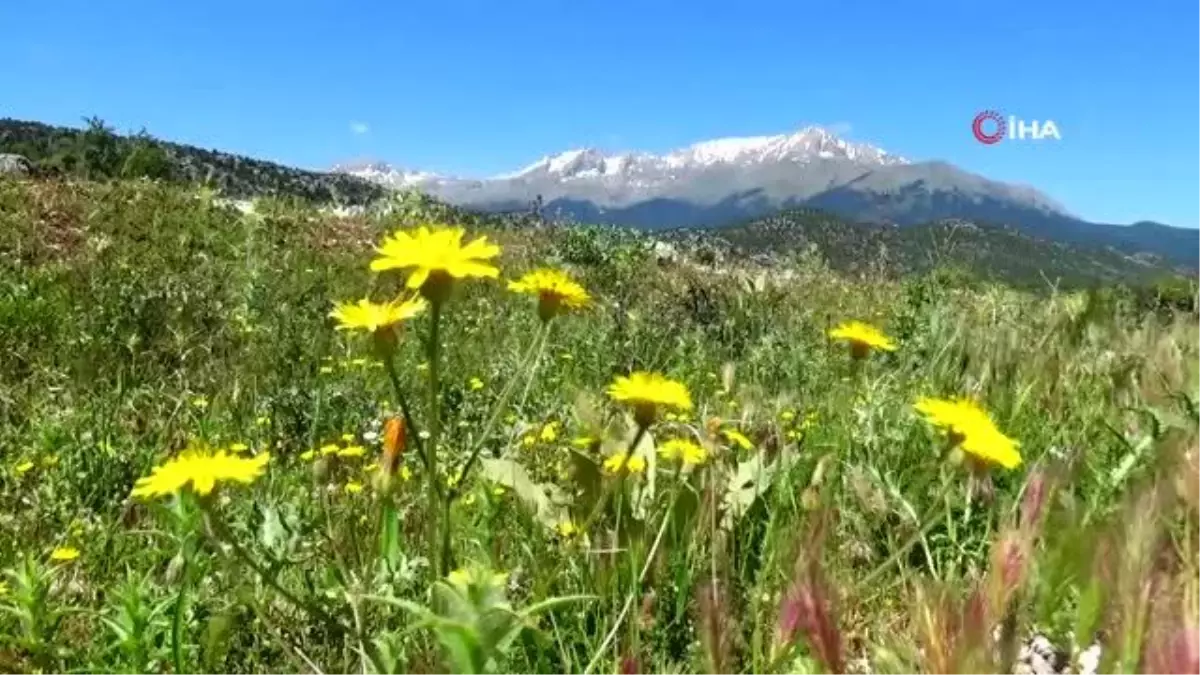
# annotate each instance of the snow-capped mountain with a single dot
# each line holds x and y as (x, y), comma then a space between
(726, 179)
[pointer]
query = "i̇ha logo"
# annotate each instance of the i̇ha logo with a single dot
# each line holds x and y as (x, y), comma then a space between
(990, 127)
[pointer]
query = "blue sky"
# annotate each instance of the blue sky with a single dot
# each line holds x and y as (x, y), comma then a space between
(481, 87)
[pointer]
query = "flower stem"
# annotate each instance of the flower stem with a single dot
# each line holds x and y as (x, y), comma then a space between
(432, 352)
(411, 430)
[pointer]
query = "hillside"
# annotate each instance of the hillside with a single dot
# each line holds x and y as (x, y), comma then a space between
(97, 152)
(989, 252)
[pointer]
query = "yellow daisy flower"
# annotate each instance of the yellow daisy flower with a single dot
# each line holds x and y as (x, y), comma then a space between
(557, 292)
(972, 429)
(549, 432)
(374, 316)
(566, 528)
(862, 338)
(352, 451)
(64, 553)
(436, 257)
(329, 449)
(24, 467)
(684, 450)
(203, 469)
(476, 384)
(630, 463)
(647, 392)
(737, 438)
(353, 487)
(308, 455)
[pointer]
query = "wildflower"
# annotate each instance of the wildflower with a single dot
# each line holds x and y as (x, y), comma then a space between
(329, 449)
(405, 473)
(308, 455)
(24, 467)
(239, 447)
(325, 370)
(200, 403)
(353, 487)
(50, 460)
(566, 528)
(627, 461)
(475, 384)
(262, 421)
(373, 316)
(862, 338)
(737, 438)
(347, 438)
(556, 292)
(358, 363)
(647, 392)
(3, 589)
(203, 469)
(476, 576)
(549, 432)
(684, 450)
(810, 420)
(64, 553)
(972, 429)
(352, 451)
(528, 440)
(787, 415)
(436, 256)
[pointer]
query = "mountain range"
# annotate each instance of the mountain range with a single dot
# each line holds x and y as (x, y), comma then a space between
(730, 180)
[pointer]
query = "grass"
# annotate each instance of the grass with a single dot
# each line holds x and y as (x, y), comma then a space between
(842, 534)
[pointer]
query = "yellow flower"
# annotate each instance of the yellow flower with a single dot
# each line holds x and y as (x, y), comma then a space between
(476, 384)
(200, 403)
(862, 338)
(647, 392)
(631, 463)
(329, 449)
(239, 447)
(476, 576)
(358, 363)
(787, 415)
(352, 451)
(50, 460)
(325, 370)
(64, 553)
(971, 428)
(353, 487)
(436, 257)
(683, 450)
(308, 455)
(24, 467)
(263, 421)
(737, 438)
(566, 528)
(468, 500)
(203, 469)
(405, 473)
(3, 589)
(556, 292)
(528, 440)
(347, 438)
(584, 442)
(373, 316)
(549, 432)
(810, 420)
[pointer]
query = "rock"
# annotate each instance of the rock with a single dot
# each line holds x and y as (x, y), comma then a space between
(1089, 660)
(17, 165)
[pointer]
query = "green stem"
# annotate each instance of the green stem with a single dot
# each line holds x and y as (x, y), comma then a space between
(616, 485)
(432, 349)
(180, 607)
(917, 536)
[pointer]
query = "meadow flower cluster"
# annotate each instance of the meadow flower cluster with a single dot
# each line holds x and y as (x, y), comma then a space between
(500, 458)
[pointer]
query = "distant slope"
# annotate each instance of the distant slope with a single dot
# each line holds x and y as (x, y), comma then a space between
(98, 153)
(987, 252)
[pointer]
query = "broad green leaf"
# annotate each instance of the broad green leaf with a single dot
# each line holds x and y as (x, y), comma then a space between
(544, 500)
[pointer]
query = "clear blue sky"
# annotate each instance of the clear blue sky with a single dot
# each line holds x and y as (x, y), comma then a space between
(484, 86)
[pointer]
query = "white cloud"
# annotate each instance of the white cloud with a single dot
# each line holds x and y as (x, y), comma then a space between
(359, 128)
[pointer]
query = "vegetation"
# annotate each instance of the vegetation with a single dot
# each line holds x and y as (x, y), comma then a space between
(470, 484)
(98, 153)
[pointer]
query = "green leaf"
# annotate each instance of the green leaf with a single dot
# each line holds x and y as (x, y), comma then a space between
(389, 536)
(751, 479)
(537, 496)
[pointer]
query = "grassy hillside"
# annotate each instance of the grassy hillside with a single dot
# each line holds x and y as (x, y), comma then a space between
(987, 252)
(97, 152)
(827, 526)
